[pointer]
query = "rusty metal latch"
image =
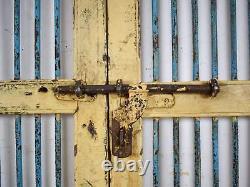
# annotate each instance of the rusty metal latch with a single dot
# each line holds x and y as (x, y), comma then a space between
(80, 89)
(137, 100)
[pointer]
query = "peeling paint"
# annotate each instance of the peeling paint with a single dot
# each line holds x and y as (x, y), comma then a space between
(92, 129)
(75, 150)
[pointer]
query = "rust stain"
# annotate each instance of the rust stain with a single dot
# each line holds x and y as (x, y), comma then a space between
(28, 93)
(92, 129)
(43, 89)
(87, 183)
(75, 150)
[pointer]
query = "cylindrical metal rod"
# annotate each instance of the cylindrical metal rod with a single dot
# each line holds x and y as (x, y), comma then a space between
(212, 88)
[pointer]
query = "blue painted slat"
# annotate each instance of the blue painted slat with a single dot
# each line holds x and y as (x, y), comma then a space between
(38, 165)
(175, 78)
(18, 131)
(233, 40)
(195, 40)
(18, 134)
(17, 39)
(57, 17)
(57, 7)
(156, 62)
(176, 152)
(58, 124)
(174, 40)
(156, 171)
(155, 29)
(235, 144)
(215, 144)
(215, 139)
(249, 25)
(0, 169)
(197, 151)
(235, 138)
(38, 142)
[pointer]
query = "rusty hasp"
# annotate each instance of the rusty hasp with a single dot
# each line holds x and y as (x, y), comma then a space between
(122, 120)
(80, 89)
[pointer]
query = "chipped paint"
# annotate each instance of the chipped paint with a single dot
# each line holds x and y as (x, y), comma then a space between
(234, 76)
(160, 101)
(92, 129)
(43, 89)
(174, 25)
(214, 67)
(18, 127)
(75, 150)
(131, 110)
(197, 149)
(156, 76)
(123, 119)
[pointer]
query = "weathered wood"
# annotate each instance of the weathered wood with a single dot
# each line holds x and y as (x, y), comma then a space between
(232, 100)
(123, 46)
(91, 137)
(33, 97)
(37, 96)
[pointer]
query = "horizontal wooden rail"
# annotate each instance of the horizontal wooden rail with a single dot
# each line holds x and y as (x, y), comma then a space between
(33, 97)
(38, 97)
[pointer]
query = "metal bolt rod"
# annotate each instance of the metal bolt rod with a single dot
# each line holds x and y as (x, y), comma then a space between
(212, 88)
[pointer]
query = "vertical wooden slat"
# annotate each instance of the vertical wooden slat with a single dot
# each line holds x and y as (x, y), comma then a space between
(249, 26)
(124, 55)
(156, 64)
(90, 64)
(156, 169)
(175, 78)
(58, 151)
(37, 76)
(235, 138)
(0, 169)
(215, 140)
(58, 124)
(18, 131)
(197, 151)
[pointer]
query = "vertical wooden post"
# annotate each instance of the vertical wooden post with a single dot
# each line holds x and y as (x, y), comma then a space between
(123, 51)
(90, 58)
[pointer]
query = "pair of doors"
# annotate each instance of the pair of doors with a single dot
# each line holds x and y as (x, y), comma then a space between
(108, 118)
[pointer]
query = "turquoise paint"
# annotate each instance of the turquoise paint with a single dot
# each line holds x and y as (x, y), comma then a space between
(156, 63)
(215, 139)
(235, 138)
(197, 151)
(156, 147)
(174, 26)
(58, 153)
(18, 127)
(38, 142)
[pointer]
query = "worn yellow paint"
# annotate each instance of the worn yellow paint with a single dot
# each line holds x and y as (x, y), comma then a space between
(123, 46)
(29, 97)
(24, 97)
(91, 143)
(232, 100)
